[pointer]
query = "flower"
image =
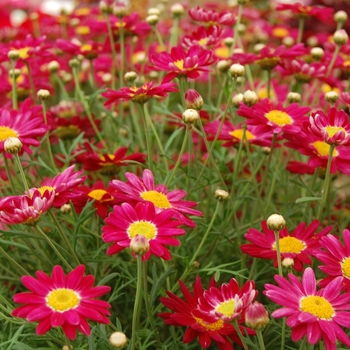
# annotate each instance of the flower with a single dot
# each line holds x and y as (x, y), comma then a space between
(63, 185)
(211, 17)
(206, 328)
(334, 127)
(311, 313)
(138, 94)
(336, 258)
(274, 117)
(227, 302)
(299, 245)
(26, 124)
(137, 190)
(204, 37)
(62, 301)
(256, 316)
(126, 222)
(182, 63)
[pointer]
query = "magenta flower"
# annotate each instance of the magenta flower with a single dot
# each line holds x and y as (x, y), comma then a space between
(182, 63)
(62, 301)
(137, 190)
(204, 37)
(126, 222)
(311, 313)
(211, 17)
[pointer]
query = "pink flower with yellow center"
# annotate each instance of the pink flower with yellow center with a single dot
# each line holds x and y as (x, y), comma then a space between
(315, 314)
(299, 245)
(274, 117)
(61, 300)
(144, 190)
(127, 222)
(211, 17)
(27, 125)
(204, 37)
(334, 127)
(183, 63)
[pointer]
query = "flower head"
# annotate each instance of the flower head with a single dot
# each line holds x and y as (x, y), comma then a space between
(311, 313)
(211, 17)
(62, 301)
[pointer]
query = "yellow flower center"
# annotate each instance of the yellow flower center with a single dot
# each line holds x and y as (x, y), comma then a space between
(222, 52)
(290, 245)
(6, 132)
(62, 299)
(226, 308)
(117, 24)
(97, 194)
(215, 326)
(84, 11)
(179, 64)
(279, 118)
(346, 63)
(280, 32)
(238, 134)
(82, 30)
(23, 52)
(345, 266)
(111, 157)
(42, 189)
(203, 42)
(142, 228)
(332, 130)
(160, 200)
(86, 48)
(317, 306)
(322, 149)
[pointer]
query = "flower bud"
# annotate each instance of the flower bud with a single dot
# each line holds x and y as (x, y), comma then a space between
(266, 150)
(288, 263)
(341, 37)
(293, 97)
(13, 54)
(331, 97)
(288, 41)
(276, 222)
(153, 11)
(221, 195)
(106, 77)
(106, 7)
(12, 145)
(237, 70)
(139, 245)
(152, 20)
(74, 63)
(33, 16)
(229, 41)
(312, 41)
(177, 10)
(258, 47)
(190, 116)
(53, 66)
(250, 98)
(223, 66)
(43, 94)
(193, 99)
(118, 340)
(16, 72)
(66, 208)
(256, 316)
(120, 10)
(317, 53)
(340, 17)
(241, 28)
(65, 347)
(237, 99)
(130, 76)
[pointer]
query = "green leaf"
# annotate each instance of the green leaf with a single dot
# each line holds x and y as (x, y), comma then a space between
(307, 199)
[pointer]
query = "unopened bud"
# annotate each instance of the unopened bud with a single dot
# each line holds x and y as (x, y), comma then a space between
(120, 10)
(340, 16)
(331, 97)
(66, 208)
(43, 94)
(74, 63)
(66, 347)
(33, 16)
(177, 10)
(153, 11)
(241, 28)
(341, 37)
(229, 41)
(266, 150)
(130, 77)
(193, 99)
(312, 41)
(118, 340)
(288, 263)
(152, 20)
(258, 47)
(293, 97)
(276, 222)
(237, 70)
(256, 316)
(317, 53)
(223, 66)
(15, 72)
(190, 116)
(53, 66)
(13, 54)
(250, 98)
(288, 41)
(221, 195)
(139, 245)
(12, 145)
(106, 77)
(105, 8)
(237, 99)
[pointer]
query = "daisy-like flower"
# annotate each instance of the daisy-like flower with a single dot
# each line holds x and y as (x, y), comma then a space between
(24, 209)
(186, 313)
(298, 246)
(182, 63)
(334, 127)
(204, 37)
(210, 17)
(63, 185)
(311, 313)
(138, 94)
(336, 258)
(144, 190)
(274, 117)
(61, 300)
(90, 49)
(126, 222)
(26, 124)
(228, 301)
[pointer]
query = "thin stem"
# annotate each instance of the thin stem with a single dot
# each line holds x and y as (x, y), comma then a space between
(335, 55)
(174, 33)
(31, 81)
(326, 184)
(114, 54)
(9, 176)
(301, 29)
(23, 177)
(283, 335)
(137, 301)
(67, 341)
(61, 86)
(14, 87)
(260, 339)
(159, 37)
(269, 83)
(240, 335)
(278, 252)
(148, 143)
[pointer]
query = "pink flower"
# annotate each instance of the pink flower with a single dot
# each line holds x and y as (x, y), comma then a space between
(126, 222)
(311, 313)
(204, 37)
(199, 14)
(256, 316)
(62, 301)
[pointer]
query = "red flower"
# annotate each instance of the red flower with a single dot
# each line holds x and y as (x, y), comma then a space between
(182, 63)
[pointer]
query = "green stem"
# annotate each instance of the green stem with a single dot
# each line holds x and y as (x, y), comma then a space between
(327, 181)
(260, 339)
(174, 33)
(278, 252)
(269, 83)
(283, 335)
(114, 54)
(23, 177)
(148, 143)
(179, 158)
(335, 55)
(301, 29)
(9, 176)
(61, 86)
(50, 243)
(14, 263)
(31, 81)
(240, 335)
(137, 302)
(159, 37)
(14, 87)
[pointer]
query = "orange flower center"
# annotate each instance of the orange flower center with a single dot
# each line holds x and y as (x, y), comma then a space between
(238, 134)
